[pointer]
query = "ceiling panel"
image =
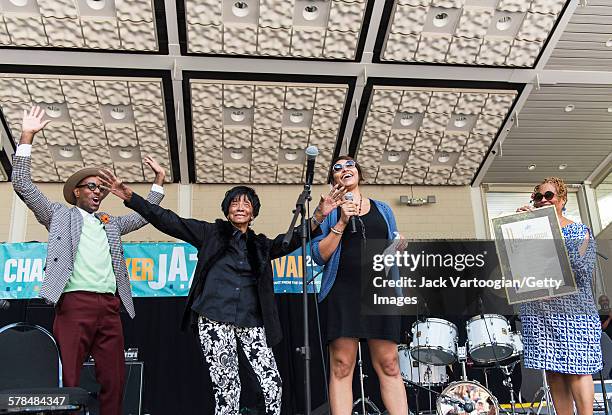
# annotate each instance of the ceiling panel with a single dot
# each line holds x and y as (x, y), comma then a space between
(506, 33)
(563, 130)
(95, 121)
(276, 28)
(433, 136)
(82, 24)
(256, 132)
(586, 43)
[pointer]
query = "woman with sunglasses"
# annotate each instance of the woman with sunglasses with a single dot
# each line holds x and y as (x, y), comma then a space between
(339, 248)
(562, 335)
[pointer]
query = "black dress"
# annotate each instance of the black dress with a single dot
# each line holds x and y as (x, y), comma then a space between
(342, 304)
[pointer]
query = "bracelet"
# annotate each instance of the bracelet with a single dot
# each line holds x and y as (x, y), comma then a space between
(336, 231)
(314, 219)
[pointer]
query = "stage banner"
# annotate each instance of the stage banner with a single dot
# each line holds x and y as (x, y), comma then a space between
(155, 269)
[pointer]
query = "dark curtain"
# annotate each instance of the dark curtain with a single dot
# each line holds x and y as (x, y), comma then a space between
(176, 380)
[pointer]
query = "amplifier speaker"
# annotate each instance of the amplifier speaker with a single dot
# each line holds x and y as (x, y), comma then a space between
(132, 391)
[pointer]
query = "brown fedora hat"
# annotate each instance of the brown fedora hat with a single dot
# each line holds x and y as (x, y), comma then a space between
(75, 179)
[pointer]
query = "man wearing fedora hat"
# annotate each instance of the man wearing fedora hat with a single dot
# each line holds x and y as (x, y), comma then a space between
(85, 272)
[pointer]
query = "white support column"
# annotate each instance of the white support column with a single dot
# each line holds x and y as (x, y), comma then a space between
(185, 197)
(19, 220)
(478, 210)
(589, 200)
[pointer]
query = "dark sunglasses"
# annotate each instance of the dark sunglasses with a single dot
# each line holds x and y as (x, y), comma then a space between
(539, 196)
(91, 186)
(339, 166)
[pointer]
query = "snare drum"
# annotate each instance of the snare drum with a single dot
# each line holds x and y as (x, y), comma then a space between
(467, 397)
(434, 342)
(489, 338)
(415, 372)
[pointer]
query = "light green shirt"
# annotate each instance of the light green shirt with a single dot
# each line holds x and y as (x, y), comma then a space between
(93, 266)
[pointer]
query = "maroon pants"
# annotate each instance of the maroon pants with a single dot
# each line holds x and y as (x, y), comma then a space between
(89, 323)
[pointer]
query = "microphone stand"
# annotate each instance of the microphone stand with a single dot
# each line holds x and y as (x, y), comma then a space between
(300, 209)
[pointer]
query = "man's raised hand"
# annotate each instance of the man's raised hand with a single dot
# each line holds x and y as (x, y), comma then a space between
(32, 123)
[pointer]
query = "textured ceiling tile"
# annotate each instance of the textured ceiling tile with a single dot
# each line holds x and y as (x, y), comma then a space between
(205, 138)
(434, 123)
(13, 90)
(155, 137)
(204, 13)
(536, 27)
(324, 140)
(276, 13)
(266, 138)
(400, 141)
(206, 95)
(470, 103)
(340, 45)
(64, 32)
(58, 8)
(345, 16)
(263, 173)
(547, 6)
(146, 93)
(138, 35)
(239, 40)
(268, 119)
(464, 51)
(413, 176)
(101, 34)
(474, 23)
(307, 43)
(443, 102)
(400, 47)
(389, 174)
(266, 156)
(408, 19)
(513, 5)
(289, 174)
(66, 169)
(207, 118)
(427, 142)
(524, 53)
(274, 42)
(267, 96)
(414, 101)
(5, 39)
(135, 10)
(80, 92)
(237, 138)
(300, 98)
(45, 90)
(26, 30)
(385, 100)
(330, 98)
(238, 96)
(129, 172)
(92, 138)
(494, 51)
(122, 137)
(379, 121)
(433, 48)
(205, 39)
(498, 104)
(326, 120)
(112, 92)
(294, 140)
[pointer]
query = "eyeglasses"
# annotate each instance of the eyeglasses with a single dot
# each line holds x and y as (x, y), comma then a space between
(539, 196)
(339, 166)
(91, 186)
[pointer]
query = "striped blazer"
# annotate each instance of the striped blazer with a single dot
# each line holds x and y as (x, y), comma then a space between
(64, 224)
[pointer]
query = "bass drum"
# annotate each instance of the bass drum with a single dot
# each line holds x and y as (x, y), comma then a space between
(467, 397)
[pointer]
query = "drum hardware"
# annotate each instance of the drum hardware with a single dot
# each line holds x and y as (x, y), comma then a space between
(507, 371)
(363, 400)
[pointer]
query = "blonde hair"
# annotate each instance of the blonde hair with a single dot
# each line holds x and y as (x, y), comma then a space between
(559, 185)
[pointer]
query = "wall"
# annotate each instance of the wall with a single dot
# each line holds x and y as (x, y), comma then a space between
(450, 217)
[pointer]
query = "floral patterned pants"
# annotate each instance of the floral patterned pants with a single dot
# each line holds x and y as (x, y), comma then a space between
(219, 342)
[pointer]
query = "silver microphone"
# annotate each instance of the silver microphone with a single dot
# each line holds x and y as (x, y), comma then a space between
(349, 196)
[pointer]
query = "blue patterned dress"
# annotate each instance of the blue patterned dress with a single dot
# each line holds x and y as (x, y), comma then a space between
(563, 334)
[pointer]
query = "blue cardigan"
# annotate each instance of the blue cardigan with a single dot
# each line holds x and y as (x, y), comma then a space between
(331, 267)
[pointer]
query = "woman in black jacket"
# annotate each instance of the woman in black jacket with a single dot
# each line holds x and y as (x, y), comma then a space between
(232, 294)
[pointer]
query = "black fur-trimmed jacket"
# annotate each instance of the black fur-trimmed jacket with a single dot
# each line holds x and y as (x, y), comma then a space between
(212, 241)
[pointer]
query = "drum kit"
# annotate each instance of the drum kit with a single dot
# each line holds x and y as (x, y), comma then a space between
(434, 347)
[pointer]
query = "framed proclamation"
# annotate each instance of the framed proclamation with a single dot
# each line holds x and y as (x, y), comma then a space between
(533, 256)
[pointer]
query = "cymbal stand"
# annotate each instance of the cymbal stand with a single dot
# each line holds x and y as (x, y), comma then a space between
(363, 399)
(507, 371)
